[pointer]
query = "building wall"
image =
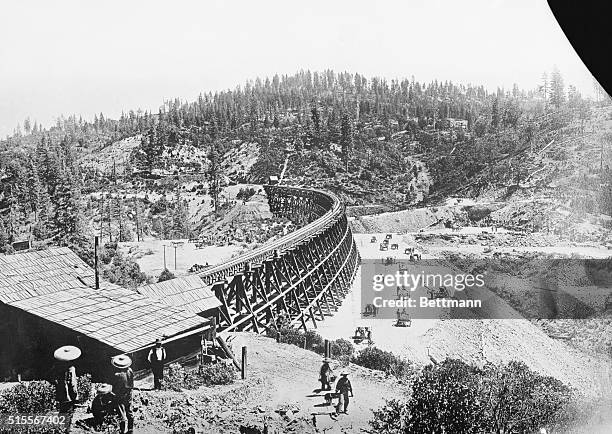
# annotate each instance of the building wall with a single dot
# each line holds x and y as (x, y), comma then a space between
(28, 343)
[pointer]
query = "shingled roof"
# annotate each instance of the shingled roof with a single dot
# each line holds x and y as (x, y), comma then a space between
(56, 285)
(189, 293)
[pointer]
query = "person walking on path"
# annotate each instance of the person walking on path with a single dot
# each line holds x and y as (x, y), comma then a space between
(66, 391)
(157, 357)
(325, 374)
(122, 384)
(344, 387)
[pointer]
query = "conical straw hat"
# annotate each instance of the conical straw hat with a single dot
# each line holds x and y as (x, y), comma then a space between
(67, 353)
(121, 361)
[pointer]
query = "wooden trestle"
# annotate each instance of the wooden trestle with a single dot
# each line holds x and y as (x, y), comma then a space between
(305, 274)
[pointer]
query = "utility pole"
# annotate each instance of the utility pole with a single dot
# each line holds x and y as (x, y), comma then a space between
(175, 244)
(165, 257)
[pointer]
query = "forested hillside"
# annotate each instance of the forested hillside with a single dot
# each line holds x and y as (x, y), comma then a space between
(375, 142)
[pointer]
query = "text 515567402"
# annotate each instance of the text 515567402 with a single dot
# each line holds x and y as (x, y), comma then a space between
(15, 422)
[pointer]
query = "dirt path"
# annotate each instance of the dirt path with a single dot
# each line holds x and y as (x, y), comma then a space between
(279, 377)
(292, 374)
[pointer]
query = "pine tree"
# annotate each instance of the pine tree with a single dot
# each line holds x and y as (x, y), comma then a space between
(316, 126)
(180, 218)
(544, 89)
(346, 139)
(495, 114)
(214, 175)
(66, 219)
(557, 89)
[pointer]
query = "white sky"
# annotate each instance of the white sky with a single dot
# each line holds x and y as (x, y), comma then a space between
(84, 57)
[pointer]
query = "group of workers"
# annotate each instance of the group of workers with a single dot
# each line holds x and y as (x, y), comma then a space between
(113, 398)
(343, 386)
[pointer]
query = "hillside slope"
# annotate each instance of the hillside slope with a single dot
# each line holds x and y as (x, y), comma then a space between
(279, 377)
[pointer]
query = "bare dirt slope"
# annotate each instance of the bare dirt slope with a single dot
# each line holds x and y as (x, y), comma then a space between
(280, 377)
(292, 374)
(473, 340)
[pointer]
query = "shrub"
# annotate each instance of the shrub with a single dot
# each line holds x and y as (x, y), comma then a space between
(31, 397)
(123, 271)
(342, 349)
(389, 418)
(292, 336)
(456, 397)
(245, 193)
(314, 342)
(84, 387)
(178, 378)
(375, 358)
(217, 374)
(165, 275)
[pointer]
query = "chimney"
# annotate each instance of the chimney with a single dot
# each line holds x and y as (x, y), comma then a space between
(96, 242)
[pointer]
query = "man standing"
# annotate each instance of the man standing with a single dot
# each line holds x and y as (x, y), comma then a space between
(325, 374)
(343, 386)
(157, 358)
(123, 383)
(66, 391)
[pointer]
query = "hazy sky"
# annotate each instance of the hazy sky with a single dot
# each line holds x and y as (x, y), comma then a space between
(85, 57)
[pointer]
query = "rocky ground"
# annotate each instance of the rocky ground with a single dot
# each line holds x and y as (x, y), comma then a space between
(280, 393)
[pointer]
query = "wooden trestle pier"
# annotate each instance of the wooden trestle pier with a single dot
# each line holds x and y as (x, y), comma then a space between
(304, 274)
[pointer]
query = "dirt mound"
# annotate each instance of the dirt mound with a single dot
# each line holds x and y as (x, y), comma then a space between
(500, 341)
(403, 221)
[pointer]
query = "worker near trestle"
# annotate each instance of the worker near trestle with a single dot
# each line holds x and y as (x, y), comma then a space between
(123, 383)
(157, 357)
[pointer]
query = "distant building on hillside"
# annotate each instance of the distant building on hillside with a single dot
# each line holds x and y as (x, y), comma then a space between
(48, 298)
(453, 123)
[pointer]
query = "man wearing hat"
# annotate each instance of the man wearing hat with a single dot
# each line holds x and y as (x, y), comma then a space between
(122, 385)
(343, 386)
(103, 404)
(157, 357)
(66, 391)
(325, 374)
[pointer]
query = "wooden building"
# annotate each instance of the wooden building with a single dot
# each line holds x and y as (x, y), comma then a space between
(188, 293)
(48, 298)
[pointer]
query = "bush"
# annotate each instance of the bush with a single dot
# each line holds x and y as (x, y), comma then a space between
(292, 336)
(84, 387)
(245, 193)
(31, 397)
(389, 418)
(314, 342)
(457, 397)
(375, 358)
(217, 374)
(165, 275)
(122, 271)
(342, 349)
(178, 378)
